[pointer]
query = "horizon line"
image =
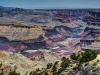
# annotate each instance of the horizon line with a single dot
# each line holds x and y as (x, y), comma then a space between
(52, 7)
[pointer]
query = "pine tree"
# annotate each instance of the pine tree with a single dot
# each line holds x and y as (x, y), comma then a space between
(46, 73)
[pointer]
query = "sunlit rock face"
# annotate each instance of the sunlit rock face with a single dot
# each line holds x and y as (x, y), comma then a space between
(18, 62)
(18, 31)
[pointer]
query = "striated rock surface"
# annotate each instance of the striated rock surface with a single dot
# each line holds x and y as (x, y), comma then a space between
(19, 31)
(18, 62)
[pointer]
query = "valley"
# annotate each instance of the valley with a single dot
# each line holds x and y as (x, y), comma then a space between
(46, 36)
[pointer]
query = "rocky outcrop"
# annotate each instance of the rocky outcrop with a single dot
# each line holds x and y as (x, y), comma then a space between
(18, 62)
(93, 18)
(2, 54)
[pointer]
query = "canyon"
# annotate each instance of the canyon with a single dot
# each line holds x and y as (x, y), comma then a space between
(48, 35)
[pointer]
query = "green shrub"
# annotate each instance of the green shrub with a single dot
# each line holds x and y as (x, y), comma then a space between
(59, 71)
(49, 65)
(74, 57)
(0, 65)
(14, 73)
(54, 68)
(63, 58)
(88, 55)
(56, 63)
(1, 73)
(46, 73)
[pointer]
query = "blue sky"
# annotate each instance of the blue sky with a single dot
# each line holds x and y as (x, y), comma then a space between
(51, 3)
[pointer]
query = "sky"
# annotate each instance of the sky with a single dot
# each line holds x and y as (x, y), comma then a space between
(51, 3)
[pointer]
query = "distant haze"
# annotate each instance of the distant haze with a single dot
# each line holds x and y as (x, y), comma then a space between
(51, 3)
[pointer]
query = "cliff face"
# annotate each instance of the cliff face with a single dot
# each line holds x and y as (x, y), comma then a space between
(19, 37)
(19, 31)
(18, 62)
(47, 16)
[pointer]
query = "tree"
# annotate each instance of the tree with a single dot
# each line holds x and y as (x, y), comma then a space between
(59, 71)
(1, 73)
(32, 73)
(63, 58)
(54, 68)
(49, 65)
(0, 65)
(46, 73)
(14, 73)
(54, 73)
(65, 63)
(74, 57)
(88, 55)
(56, 63)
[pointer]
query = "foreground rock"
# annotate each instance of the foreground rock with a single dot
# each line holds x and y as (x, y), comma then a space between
(18, 62)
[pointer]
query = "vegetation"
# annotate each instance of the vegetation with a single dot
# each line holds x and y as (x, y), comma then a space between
(0, 65)
(10, 73)
(56, 63)
(1, 73)
(46, 73)
(60, 71)
(53, 69)
(65, 62)
(88, 55)
(14, 73)
(49, 65)
(77, 59)
(74, 57)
